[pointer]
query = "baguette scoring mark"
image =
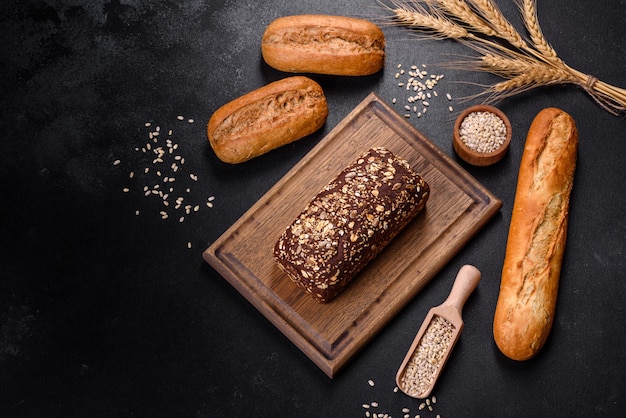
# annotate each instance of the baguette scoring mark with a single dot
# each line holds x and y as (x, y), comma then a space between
(337, 40)
(553, 220)
(552, 149)
(286, 104)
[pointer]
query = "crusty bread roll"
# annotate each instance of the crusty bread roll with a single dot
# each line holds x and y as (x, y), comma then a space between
(267, 118)
(530, 276)
(349, 222)
(324, 44)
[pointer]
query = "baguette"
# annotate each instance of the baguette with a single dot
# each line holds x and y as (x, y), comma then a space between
(267, 118)
(532, 265)
(323, 44)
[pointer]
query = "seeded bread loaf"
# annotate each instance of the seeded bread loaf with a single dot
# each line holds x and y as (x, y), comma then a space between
(267, 118)
(349, 222)
(324, 44)
(536, 242)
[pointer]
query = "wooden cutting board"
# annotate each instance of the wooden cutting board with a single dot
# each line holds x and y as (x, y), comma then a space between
(330, 334)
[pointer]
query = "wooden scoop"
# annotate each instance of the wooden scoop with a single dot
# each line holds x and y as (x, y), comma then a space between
(436, 338)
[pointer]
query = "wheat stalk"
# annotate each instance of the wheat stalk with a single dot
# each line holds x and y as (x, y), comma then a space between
(502, 50)
(415, 16)
(490, 11)
(528, 9)
(463, 13)
(543, 76)
(503, 65)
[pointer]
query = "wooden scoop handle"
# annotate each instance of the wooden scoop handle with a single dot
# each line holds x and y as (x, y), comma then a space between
(466, 281)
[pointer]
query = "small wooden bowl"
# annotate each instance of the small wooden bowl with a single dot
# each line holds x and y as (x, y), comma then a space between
(476, 157)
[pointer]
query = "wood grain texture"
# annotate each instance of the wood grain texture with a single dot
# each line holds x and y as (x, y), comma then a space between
(332, 333)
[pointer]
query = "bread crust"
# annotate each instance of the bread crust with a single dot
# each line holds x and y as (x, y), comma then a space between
(349, 222)
(267, 118)
(324, 44)
(530, 276)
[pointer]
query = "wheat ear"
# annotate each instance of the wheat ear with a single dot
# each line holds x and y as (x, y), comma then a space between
(415, 16)
(492, 14)
(525, 65)
(463, 13)
(528, 9)
(611, 98)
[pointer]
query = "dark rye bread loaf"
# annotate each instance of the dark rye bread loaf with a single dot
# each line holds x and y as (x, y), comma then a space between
(349, 222)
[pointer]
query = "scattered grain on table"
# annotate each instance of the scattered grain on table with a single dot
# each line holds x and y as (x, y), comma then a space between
(418, 86)
(404, 405)
(154, 173)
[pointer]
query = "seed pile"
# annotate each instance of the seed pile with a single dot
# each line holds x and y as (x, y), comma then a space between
(424, 410)
(428, 356)
(161, 175)
(420, 86)
(482, 131)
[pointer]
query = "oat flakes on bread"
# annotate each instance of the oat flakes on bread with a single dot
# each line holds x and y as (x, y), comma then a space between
(350, 222)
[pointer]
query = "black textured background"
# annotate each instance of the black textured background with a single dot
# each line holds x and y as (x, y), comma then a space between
(104, 313)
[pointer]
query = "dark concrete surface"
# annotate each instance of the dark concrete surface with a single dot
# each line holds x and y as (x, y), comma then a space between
(106, 313)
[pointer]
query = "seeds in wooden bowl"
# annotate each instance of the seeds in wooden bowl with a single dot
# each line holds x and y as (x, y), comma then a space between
(482, 135)
(483, 131)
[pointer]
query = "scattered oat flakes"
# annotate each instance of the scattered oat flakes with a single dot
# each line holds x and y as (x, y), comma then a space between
(159, 153)
(374, 410)
(421, 87)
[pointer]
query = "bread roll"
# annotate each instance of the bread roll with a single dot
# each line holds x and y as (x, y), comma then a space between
(349, 222)
(267, 118)
(530, 276)
(323, 44)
